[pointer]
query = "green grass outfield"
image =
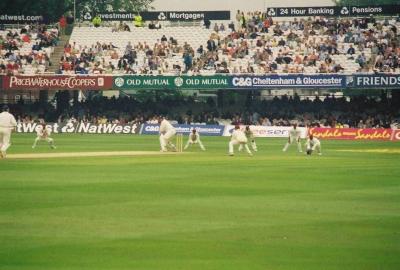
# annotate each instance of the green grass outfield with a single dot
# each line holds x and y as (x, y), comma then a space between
(200, 210)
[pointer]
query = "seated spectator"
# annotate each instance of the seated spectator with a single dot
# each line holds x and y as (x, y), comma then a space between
(152, 25)
(207, 23)
(351, 50)
(361, 60)
(157, 25)
(3, 67)
(126, 27)
(231, 26)
(216, 28)
(121, 27)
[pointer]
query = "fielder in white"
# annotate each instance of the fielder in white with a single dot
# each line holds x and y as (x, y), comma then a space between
(44, 133)
(250, 137)
(7, 124)
(313, 144)
(238, 137)
(194, 138)
(167, 132)
(294, 136)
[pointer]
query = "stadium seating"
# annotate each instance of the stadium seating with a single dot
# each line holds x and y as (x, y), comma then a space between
(254, 42)
(25, 58)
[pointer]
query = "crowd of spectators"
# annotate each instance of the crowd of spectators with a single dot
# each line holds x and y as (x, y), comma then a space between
(359, 111)
(256, 44)
(27, 50)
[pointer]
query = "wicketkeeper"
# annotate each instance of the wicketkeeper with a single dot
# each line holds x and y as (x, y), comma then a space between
(194, 137)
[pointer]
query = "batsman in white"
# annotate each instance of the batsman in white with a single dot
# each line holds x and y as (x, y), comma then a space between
(194, 137)
(238, 137)
(7, 124)
(44, 133)
(313, 144)
(294, 136)
(250, 137)
(167, 132)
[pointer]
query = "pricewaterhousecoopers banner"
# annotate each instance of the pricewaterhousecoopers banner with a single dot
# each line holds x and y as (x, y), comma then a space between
(341, 11)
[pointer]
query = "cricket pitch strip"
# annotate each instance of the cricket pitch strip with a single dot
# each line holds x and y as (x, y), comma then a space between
(88, 154)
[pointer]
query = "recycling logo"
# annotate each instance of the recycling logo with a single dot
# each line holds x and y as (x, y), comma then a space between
(87, 16)
(162, 16)
(271, 12)
(344, 11)
(119, 82)
(349, 80)
(178, 81)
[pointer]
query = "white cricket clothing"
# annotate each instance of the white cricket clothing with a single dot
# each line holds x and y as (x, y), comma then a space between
(166, 126)
(238, 137)
(167, 131)
(193, 139)
(43, 134)
(40, 132)
(250, 136)
(7, 120)
(313, 144)
(294, 136)
(7, 124)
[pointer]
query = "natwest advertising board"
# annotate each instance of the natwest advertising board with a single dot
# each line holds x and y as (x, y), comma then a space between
(352, 133)
(60, 82)
(86, 128)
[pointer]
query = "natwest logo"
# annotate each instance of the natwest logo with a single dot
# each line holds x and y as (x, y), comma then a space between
(242, 81)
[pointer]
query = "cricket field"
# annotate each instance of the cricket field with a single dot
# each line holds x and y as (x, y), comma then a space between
(198, 210)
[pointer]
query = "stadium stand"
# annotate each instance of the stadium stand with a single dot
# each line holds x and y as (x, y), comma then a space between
(27, 50)
(258, 46)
